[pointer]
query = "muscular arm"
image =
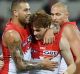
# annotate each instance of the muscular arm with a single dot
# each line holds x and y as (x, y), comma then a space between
(49, 35)
(67, 55)
(11, 39)
(73, 36)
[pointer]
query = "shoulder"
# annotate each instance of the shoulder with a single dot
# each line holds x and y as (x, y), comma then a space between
(10, 36)
(68, 28)
(69, 31)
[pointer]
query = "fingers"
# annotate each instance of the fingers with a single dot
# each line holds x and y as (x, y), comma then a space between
(1, 64)
(48, 40)
(52, 66)
(49, 36)
(49, 65)
(1, 59)
(49, 58)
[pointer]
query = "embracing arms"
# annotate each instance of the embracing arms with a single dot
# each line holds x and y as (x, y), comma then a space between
(12, 40)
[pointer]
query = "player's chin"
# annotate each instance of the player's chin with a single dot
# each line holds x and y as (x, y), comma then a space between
(56, 23)
(37, 38)
(27, 20)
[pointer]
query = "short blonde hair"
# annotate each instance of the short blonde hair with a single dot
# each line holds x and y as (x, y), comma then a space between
(61, 5)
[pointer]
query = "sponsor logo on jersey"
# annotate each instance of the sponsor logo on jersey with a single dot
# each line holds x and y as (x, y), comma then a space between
(47, 52)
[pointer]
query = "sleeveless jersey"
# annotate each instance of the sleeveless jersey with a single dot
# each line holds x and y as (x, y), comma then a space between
(63, 65)
(74, 26)
(41, 51)
(9, 65)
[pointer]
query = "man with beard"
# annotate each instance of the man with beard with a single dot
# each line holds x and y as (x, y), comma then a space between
(40, 23)
(16, 41)
(60, 17)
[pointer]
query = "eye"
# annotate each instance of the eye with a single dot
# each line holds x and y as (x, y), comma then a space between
(52, 14)
(26, 9)
(38, 30)
(58, 14)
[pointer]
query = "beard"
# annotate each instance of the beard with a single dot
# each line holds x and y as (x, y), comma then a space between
(24, 23)
(56, 27)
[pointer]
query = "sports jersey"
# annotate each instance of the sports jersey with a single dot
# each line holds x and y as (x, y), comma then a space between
(9, 65)
(41, 51)
(74, 26)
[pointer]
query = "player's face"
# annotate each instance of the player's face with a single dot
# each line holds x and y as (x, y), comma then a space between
(24, 13)
(58, 15)
(39, 33)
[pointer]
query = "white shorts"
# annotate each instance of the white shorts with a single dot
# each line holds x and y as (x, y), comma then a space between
(63, 66)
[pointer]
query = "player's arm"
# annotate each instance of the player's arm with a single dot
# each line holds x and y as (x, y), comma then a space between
(49, 34)
(67, 55)
(73, 36)
(12, 41)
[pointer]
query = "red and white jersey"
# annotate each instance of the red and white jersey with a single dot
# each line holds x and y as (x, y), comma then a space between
(41, 51)
(74, 26)
(63, 65)
(9, 65)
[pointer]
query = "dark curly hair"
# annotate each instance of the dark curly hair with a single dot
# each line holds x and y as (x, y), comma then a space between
(40, 19)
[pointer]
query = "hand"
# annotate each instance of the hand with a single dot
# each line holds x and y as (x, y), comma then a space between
(65, 73)
(49, 36)
(47, 64)
(1, 63)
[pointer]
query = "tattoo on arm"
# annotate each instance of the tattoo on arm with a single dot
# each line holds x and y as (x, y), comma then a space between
(17, 55)
(15, 50)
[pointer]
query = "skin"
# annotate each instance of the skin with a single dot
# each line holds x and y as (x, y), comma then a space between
(1, 62)
(12, 40)
(39, 33)
(64, 47)
(59, 16)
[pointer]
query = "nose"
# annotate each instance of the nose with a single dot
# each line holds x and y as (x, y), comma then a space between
(54, 17)
(35, 32)
(29, 12)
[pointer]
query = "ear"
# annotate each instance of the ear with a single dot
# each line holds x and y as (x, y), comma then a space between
(15, 12)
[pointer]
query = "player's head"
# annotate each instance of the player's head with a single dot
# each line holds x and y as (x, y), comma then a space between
(40, 23)
(21, 10)
(59, 13)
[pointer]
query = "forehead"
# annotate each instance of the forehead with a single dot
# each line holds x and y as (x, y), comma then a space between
(34, 28)
(37, 28)
(24, 5)
(57, 10)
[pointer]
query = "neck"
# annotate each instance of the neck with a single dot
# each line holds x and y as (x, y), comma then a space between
(65, 20)
(16, 22)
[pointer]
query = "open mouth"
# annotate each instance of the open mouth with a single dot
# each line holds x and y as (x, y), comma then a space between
(36, 37)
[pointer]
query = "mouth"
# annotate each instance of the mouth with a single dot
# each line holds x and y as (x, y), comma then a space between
(55, 22)
(37, 38)
(27, 19)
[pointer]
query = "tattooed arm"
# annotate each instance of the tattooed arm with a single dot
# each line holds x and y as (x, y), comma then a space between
(67, 55)
(13, 41)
